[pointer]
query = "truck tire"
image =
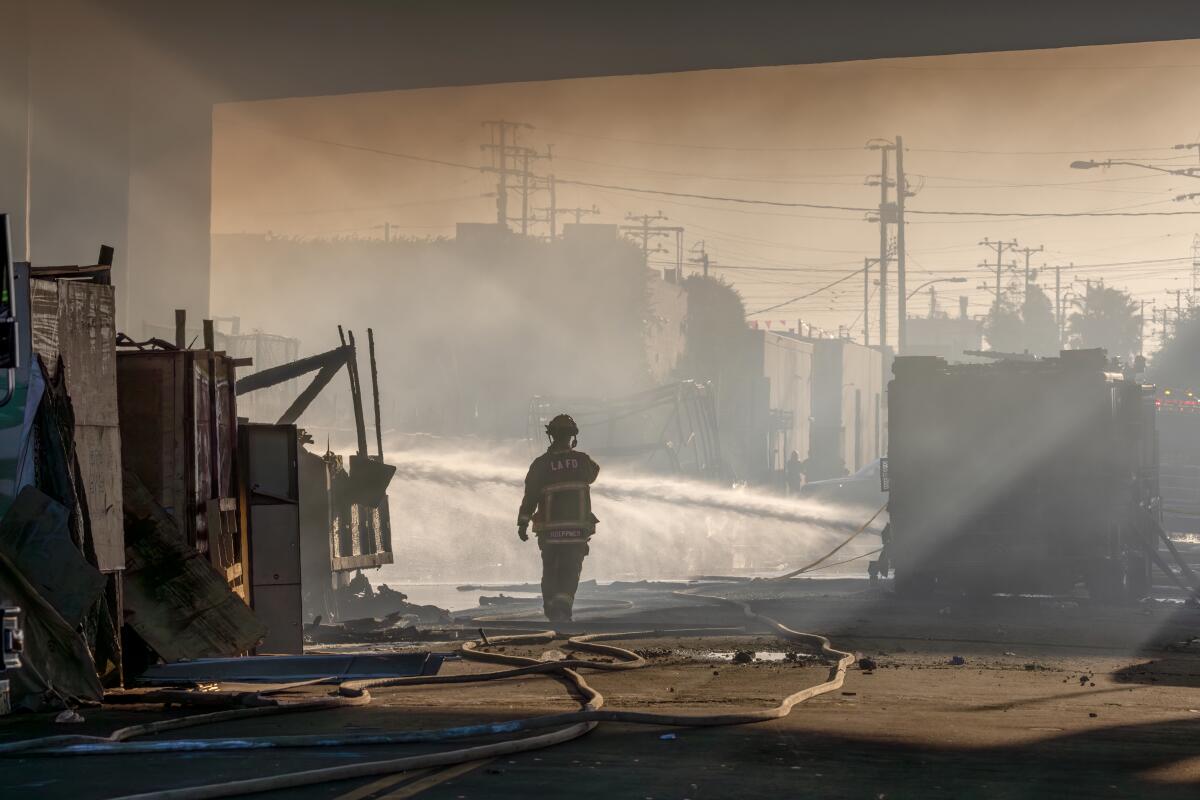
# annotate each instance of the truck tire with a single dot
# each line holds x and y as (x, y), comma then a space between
(1137, 577)
(1105, 581)
(914, 584)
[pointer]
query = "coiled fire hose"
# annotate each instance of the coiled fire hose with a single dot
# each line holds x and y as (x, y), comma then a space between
(570, 725)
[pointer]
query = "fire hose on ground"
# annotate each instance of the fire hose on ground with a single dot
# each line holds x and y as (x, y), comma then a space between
(567, 725)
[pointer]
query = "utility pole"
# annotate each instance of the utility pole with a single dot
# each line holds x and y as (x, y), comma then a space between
(901, 292)
(1028, 251)
(886, 211)
(867, 262)
(512, 159)
(579, 212)
(1195, 294)
(553, 212)
(883, 247)
(1058, 303)
(525, 191)
(1141, 328)
(679, 255)
(502, 139)
(1178, 308)
(644, 231)
(528, 180)
(999, 247)
(701, 259)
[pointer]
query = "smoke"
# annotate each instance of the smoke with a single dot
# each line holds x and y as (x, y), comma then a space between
(454, 509)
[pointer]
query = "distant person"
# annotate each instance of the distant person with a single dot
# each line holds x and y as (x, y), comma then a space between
(793, 472)
(883, 565)
(558, 503)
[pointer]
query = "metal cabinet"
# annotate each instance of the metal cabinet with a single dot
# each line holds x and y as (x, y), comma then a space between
(271, 507)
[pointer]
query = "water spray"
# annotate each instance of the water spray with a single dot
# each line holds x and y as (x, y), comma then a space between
(455, 511)
(458, 470)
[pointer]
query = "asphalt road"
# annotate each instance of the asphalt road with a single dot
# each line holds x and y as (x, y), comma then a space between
(1053, 699)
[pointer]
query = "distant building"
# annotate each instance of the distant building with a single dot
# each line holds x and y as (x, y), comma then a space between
(849, 413)
(665, 332)
(945, 336)
(787, 363)
(823, 398)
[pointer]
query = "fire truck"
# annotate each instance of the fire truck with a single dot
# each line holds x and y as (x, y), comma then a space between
(1023, 477)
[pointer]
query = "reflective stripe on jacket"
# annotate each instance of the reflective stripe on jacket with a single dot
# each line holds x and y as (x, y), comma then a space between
(557, 496)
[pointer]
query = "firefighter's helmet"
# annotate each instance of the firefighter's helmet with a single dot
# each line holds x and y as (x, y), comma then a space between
(561, 427)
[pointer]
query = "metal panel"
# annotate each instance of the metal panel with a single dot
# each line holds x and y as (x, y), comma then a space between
(272, 462)
(268, 467)
(278, 607)
(274, 545)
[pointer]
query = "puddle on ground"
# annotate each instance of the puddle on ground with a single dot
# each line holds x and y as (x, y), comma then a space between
(741, 656)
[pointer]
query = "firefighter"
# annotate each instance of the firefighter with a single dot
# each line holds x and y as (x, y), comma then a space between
(793, 472)
(558, 503)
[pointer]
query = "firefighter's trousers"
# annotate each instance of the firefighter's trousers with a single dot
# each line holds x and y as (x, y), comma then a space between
(561, 564)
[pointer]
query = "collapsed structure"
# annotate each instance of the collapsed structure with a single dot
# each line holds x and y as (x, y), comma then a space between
(143, 520)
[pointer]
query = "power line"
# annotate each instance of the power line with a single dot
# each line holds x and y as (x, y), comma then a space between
(864, 209)
(374, 150)
(807, 295)
(799, 180)
(759, 201)
(689, 146)
(974, 152)
(743, 148)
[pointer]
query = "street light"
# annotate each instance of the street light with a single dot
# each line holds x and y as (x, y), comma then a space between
(935, 280)
(1190, 172)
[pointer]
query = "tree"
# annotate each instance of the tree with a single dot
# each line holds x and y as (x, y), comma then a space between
(1177, 364)
(1040, 331)
(1108, 318)
(1028, 328)
(1003, 328)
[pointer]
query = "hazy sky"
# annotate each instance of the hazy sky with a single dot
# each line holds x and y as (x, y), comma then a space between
(993, 132)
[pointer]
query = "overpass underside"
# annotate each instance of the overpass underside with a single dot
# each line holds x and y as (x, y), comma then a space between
(106, 131)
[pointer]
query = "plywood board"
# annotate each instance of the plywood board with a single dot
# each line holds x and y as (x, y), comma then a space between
(87, 341)
(99, 451)
(43, 302)
(153, 442)
(76, 320)
(174, 598)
